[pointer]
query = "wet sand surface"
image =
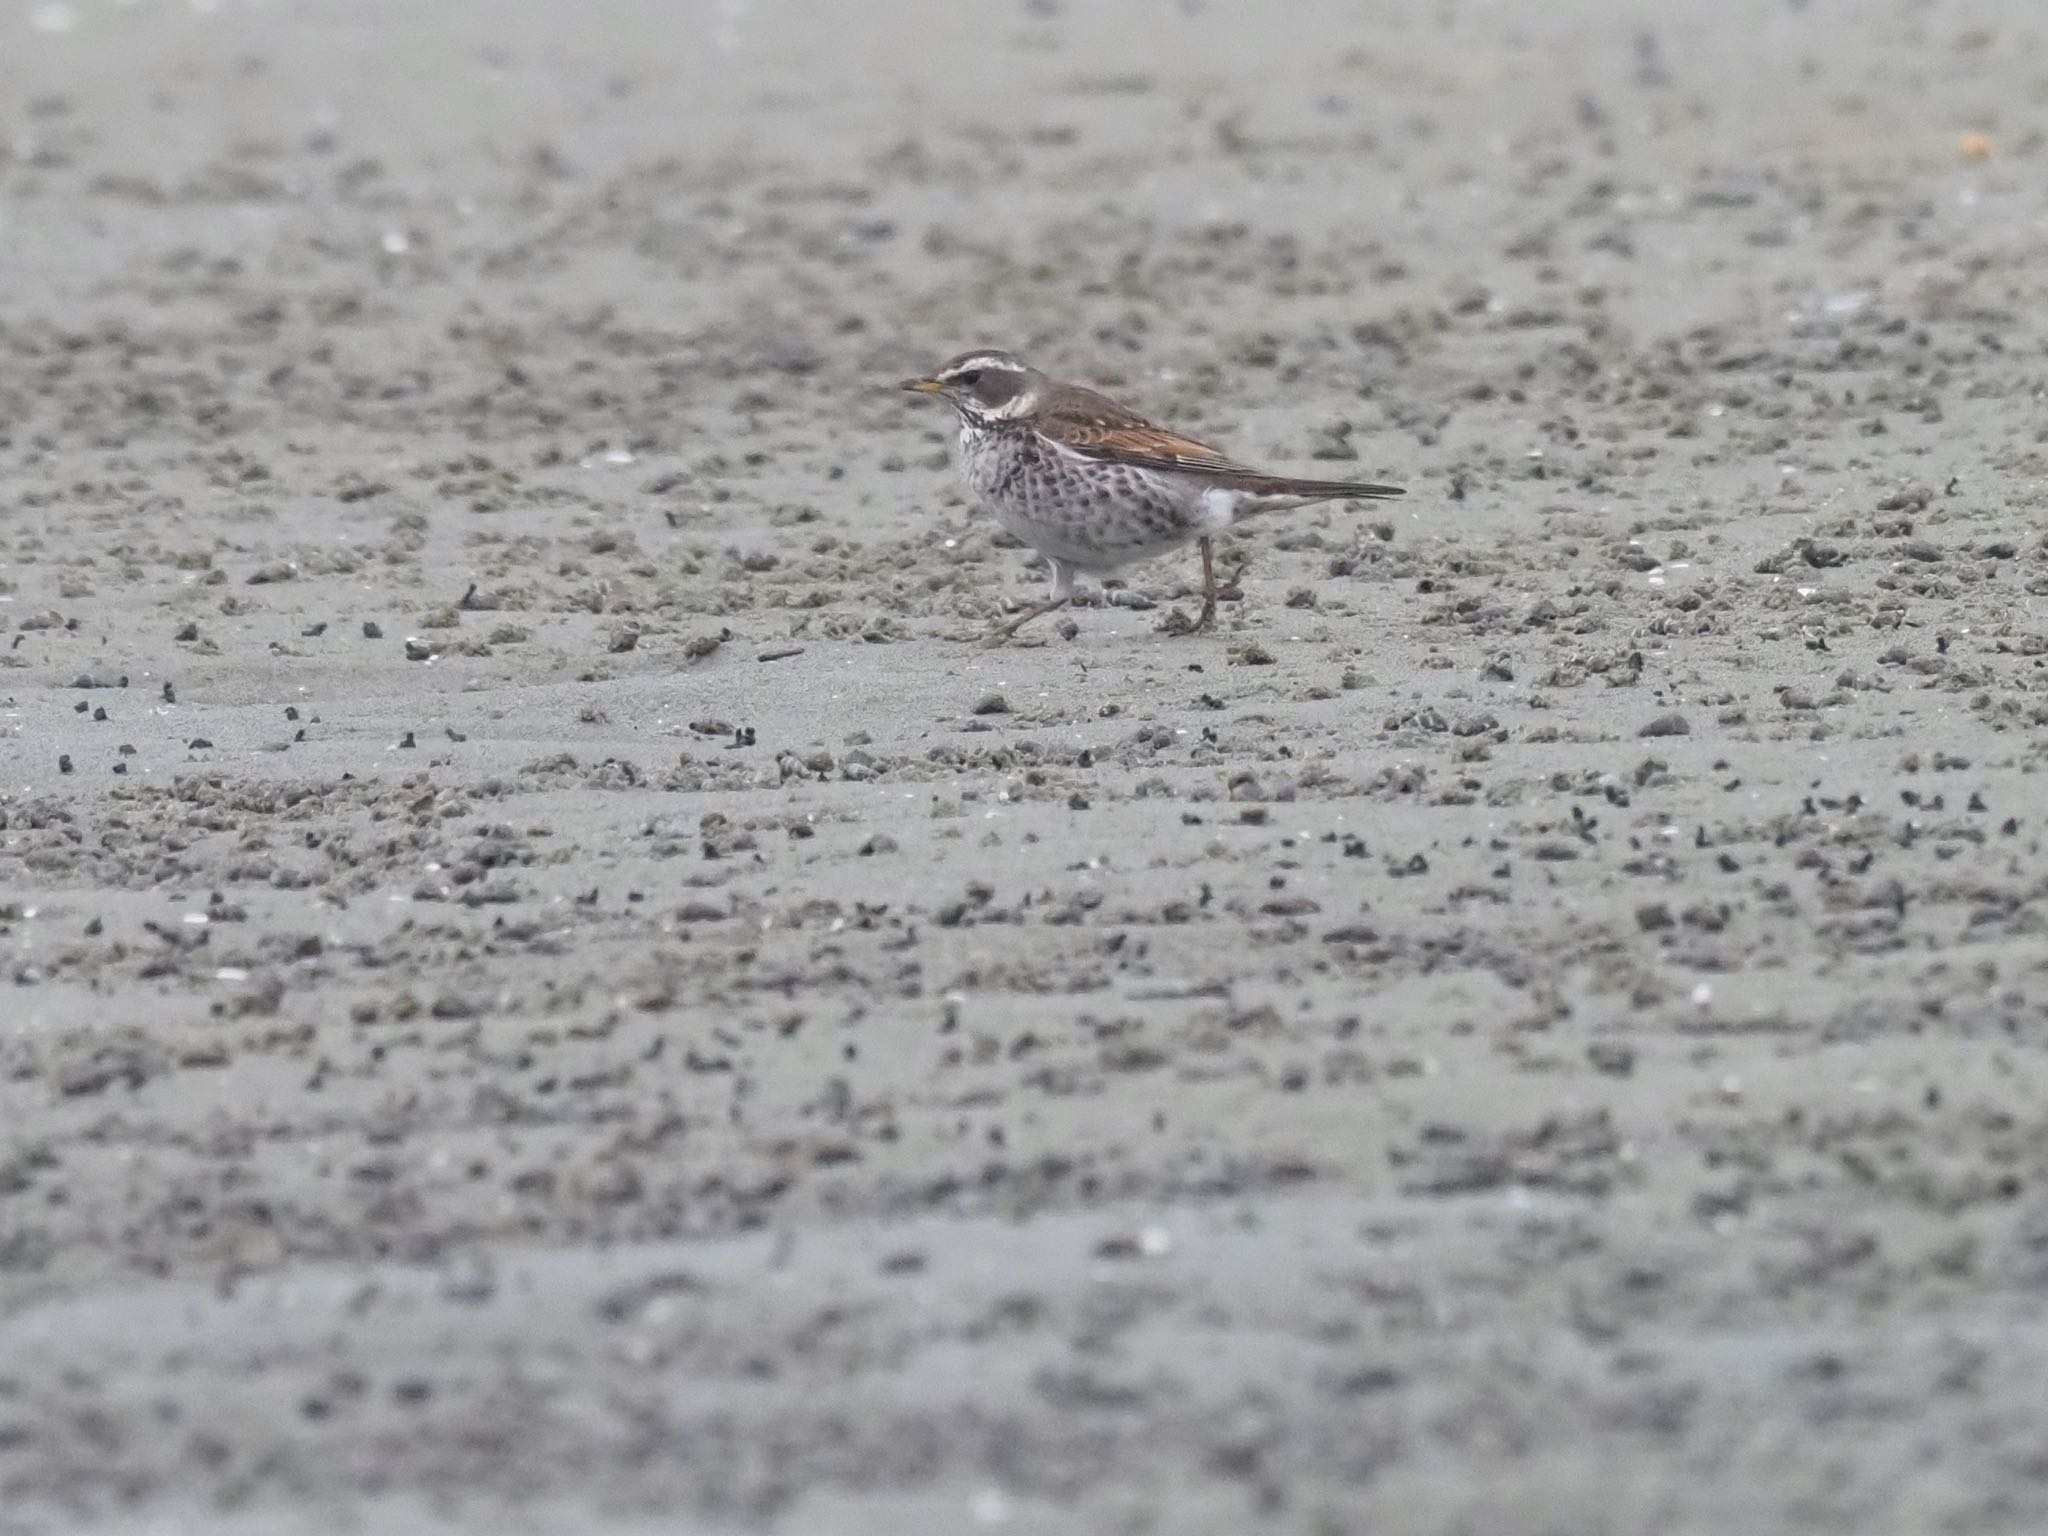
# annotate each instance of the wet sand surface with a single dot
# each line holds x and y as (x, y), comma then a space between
(550, 984)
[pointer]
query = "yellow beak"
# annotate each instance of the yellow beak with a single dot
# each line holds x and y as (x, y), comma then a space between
(923, 386)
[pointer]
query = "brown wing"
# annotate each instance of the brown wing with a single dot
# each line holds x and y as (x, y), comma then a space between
(1096, 427)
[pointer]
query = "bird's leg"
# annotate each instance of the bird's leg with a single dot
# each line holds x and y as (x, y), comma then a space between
(1003, 632)
(1208, 586)
(1062, 590)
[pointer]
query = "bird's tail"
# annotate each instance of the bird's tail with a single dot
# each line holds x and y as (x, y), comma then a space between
(1282, 488)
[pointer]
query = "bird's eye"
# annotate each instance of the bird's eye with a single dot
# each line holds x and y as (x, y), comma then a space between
(970, 378)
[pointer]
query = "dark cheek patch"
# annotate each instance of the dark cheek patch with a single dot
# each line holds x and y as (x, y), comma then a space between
(997, 387)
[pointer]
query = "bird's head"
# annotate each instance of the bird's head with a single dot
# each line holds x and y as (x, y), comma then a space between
(985, 386)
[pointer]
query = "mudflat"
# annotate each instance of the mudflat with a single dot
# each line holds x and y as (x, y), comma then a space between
(551, 984)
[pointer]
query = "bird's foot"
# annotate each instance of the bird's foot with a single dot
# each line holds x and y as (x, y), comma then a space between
(1001, 634)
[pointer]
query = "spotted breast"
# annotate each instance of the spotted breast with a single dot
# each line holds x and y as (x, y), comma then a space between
(1096, 517)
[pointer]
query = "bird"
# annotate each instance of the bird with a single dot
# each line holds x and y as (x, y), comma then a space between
(1092, 485)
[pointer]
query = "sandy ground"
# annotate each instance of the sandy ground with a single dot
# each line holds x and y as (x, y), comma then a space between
(550, 985)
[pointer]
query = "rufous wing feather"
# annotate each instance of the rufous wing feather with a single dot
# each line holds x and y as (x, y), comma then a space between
(1148, 447)
(1096, 427)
